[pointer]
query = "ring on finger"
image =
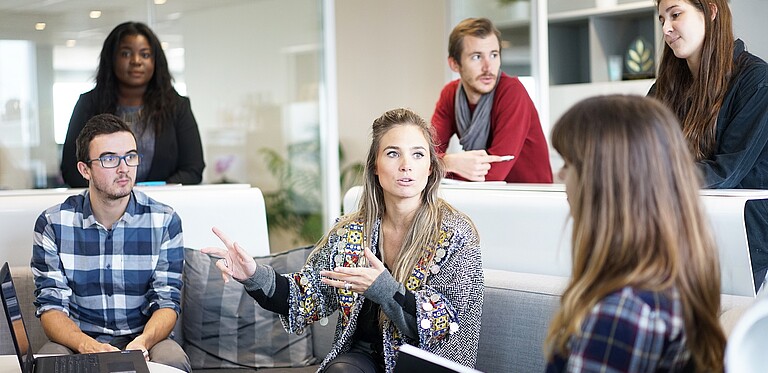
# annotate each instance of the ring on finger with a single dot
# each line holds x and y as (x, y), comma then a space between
(347, 286)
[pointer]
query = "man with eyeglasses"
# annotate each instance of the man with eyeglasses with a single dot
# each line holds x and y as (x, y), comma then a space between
(107, 262)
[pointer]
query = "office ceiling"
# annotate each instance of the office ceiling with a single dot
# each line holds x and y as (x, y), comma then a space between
(70, 20)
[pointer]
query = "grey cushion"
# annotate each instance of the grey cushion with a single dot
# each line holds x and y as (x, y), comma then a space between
(517, 309)
(225, 328)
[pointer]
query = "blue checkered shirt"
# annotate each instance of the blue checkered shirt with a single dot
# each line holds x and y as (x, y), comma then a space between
(629, 330)
(108, 281)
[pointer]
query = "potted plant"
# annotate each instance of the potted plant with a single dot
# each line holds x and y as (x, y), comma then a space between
(295, 207)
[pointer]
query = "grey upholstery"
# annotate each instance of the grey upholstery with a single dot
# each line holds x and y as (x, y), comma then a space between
(322, 336)
(516, 313)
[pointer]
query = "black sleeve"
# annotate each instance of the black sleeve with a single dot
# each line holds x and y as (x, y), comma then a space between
(190, 163)
(82, 112)
(278, 302)
(407, 301)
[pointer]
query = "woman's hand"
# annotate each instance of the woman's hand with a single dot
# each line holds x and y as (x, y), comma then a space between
(234, 261)
(357, 279)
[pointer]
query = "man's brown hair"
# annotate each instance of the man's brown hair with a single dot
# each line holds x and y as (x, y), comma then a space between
(477, 27)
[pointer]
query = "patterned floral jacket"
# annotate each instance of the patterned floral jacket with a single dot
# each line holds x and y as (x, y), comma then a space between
(448, 291)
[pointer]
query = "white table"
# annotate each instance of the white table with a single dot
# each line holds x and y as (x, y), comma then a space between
(9, 364)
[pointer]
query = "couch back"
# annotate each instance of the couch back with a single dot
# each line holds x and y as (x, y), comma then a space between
(238, 209)
(525, 228)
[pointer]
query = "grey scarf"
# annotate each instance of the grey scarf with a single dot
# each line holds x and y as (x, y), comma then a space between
(474, 131)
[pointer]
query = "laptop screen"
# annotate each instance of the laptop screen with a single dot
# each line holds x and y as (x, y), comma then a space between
(13, 315)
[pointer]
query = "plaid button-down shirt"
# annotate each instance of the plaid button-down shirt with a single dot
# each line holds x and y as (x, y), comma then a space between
(108, 281)
(629, 330)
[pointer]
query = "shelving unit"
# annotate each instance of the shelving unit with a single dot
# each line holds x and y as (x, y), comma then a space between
(581, 40)
(582, 36)
(516, 49)
(569, 52)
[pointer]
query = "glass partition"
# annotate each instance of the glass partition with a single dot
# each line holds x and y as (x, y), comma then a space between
(252, 70)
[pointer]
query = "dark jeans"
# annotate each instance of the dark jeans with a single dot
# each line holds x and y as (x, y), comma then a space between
(354, 362)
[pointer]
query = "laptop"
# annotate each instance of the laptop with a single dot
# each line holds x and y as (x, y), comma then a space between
(102, 362)
(413, 359)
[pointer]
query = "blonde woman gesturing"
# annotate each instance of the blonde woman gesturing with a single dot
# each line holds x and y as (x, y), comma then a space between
(404, 268)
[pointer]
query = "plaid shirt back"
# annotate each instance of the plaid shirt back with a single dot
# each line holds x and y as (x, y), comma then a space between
(629, 330)
(108, 281)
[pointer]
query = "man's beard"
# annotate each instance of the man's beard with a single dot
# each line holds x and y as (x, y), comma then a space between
(107, 193)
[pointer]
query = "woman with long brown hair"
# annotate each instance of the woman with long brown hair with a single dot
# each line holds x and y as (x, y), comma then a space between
(719, 92)
(645, 288)
(404, 268)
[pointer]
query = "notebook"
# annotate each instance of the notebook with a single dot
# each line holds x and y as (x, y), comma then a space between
(103, 362)
(414, 359)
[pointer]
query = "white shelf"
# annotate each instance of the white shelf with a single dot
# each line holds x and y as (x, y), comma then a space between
(581, 40)
(600, 11)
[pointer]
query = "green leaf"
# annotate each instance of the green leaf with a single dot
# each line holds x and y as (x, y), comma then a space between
(296, 206)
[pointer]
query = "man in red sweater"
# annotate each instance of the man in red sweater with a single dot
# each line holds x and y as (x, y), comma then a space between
(495, 120)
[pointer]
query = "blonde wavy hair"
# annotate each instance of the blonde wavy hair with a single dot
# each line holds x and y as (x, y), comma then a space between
(636, 219)
(427, 220)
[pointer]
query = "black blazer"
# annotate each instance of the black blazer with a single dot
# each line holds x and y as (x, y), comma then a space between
(178, 154)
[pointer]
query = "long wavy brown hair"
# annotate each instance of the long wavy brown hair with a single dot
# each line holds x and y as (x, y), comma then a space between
(697, 98)
(636, 219)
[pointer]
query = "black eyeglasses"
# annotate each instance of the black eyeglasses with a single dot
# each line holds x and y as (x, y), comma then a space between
(112, 161)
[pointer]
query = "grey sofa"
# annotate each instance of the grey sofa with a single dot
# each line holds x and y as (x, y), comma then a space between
(516, 313)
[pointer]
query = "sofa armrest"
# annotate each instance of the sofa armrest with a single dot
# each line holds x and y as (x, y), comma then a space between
(732, 308)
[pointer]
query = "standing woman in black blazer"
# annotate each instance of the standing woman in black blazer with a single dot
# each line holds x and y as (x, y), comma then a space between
(133, 82)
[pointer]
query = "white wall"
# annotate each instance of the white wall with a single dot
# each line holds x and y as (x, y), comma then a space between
(749, 24)
(389, 54)
(251, 71)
